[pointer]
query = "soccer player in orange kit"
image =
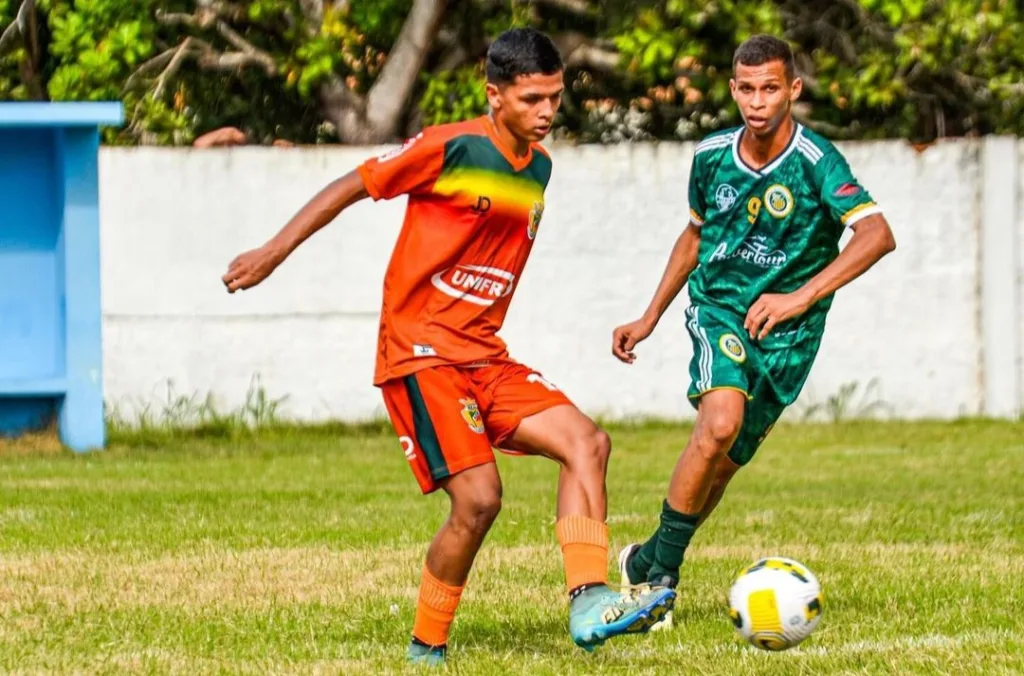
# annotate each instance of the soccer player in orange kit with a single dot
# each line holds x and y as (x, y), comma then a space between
(475, 199)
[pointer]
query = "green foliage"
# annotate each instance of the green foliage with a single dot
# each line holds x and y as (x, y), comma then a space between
(453, 96)
(11, 87)
(919, 69)
(96, 45)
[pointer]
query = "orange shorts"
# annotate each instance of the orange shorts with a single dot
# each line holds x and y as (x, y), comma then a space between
(448, 418)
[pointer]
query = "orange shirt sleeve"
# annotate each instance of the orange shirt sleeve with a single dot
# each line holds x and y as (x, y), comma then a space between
(411, 169)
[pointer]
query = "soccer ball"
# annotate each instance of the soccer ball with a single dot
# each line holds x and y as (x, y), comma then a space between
(775, 603)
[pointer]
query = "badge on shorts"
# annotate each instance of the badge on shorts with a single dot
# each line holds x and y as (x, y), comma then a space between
(471, 414)
(732, 347)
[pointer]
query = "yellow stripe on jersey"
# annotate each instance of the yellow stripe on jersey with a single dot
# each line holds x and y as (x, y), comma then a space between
(695, 217)
(504, 190)
(859, 212)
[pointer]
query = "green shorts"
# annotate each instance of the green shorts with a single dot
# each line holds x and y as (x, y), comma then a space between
(770, 373)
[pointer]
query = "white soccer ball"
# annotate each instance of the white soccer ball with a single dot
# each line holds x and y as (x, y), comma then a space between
(775, 603)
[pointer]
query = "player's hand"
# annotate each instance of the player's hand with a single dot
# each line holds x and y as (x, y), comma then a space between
(772, 309)
(251, 268)
(625, 338)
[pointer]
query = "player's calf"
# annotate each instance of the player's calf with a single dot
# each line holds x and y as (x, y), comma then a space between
(658, 560)
(475, 503)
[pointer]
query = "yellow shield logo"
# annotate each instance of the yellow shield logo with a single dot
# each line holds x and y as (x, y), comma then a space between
(471, 414)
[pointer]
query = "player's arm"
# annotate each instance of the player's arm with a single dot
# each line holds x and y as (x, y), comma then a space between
(872, 239)
(408, 170)
(252, 267)
(681, 264)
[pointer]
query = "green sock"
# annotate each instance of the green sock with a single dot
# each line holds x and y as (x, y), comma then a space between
(640, 563)
(673, 538)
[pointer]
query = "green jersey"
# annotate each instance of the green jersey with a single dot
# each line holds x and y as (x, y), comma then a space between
(773, 229)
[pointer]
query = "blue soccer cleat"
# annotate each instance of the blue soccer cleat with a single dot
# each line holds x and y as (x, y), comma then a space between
(425, 655)
(599, 613)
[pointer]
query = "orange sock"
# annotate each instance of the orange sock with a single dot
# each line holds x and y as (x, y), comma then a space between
(436, 610)
(585, 550)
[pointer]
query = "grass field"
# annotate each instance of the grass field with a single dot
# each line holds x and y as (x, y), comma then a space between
(299, 551)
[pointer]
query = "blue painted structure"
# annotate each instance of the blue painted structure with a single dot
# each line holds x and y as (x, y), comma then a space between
(50, 320)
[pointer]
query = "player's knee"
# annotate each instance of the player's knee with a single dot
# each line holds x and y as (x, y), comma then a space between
(476, 513)
(718, 430)
(602, 447)
(591, 451)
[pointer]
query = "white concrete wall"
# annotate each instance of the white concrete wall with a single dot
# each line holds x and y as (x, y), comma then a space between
(173, 219)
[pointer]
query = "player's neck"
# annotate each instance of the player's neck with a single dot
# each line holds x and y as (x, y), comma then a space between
(517, 146)
(758, 151)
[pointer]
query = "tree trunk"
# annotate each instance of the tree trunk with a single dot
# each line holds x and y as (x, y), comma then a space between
(377, 117)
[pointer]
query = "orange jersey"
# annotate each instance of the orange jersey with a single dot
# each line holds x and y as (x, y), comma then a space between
(473, 212)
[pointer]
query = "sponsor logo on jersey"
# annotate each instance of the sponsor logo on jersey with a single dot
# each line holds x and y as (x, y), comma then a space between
(475, 284)
(471, 414)
(732, 347)
(482, 206)
(778, 200)
(535, 215)
(392, 154)
(847, 190)
(754, 250)
(725, 197)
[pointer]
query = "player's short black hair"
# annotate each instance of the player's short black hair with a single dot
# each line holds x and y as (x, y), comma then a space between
(521, 51)
(761, 49)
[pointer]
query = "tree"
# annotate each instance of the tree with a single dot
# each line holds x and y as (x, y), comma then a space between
(368, 72)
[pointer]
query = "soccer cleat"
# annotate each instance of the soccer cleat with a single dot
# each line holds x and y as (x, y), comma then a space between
(624, 556)
(599, 614)
(425, 655)
(642, 586)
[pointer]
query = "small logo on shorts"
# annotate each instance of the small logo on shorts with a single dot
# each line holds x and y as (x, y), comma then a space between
(733, 348)
(471, 414)
(408, 447)
(423, 351)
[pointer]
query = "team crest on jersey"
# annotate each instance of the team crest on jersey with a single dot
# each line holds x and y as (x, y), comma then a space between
(535, 215)
(778, 200)
(732, 347)
(725, 197)
(471, 414)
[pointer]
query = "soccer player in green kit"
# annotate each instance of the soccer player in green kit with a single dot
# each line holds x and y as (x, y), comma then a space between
(769, 202)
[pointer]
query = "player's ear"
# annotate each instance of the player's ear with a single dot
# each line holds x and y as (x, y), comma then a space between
(796, 88)
(493, 96)
(732, 87)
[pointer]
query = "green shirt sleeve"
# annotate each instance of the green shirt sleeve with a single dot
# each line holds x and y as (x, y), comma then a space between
(842, 194)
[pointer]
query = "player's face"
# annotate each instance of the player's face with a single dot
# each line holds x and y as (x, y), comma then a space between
(527, 107)
(764, 95)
